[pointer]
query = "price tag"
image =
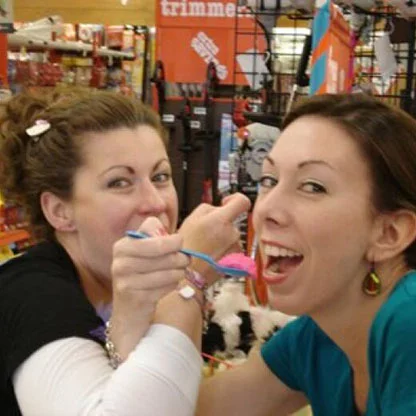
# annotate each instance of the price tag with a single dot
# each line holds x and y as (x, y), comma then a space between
(168, 118)
(200, 111)
(195, 124)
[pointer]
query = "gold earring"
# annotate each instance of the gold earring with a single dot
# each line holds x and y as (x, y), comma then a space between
(372, 283)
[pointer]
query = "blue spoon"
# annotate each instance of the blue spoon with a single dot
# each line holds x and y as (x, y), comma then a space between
(230, 271)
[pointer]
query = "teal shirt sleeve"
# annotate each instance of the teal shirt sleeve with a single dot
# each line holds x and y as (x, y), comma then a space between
(392, 360)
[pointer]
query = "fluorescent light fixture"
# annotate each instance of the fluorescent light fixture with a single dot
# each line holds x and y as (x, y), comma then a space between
(291, 31)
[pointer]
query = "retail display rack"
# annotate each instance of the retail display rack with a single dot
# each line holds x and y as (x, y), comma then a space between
(50, 52)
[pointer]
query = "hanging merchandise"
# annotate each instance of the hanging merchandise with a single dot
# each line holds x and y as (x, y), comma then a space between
(228, 148)
(139, 65)
(92, 34)
(208, 133)
(49, 52)
(158, 88)
(407, 9)
(6, 16)
(187, 148)
(302, 79)
(386, 60)
(255, 141)
(44, 29)
(128, 40)
(265, 99)
(114, 36)
(99, 68)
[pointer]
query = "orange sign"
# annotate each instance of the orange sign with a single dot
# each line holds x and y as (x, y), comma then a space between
(190, 34)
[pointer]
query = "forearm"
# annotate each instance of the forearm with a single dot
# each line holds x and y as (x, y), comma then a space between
(165, 368)
(186, 315)
(173, 310)
(249, 389)
(124, 338)
(161, 376)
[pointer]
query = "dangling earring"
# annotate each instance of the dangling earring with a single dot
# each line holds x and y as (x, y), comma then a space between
(372, 283)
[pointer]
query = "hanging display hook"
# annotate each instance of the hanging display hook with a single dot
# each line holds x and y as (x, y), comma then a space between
(389, 27)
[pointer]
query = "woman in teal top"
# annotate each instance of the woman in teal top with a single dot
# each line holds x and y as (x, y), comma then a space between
(307, 360)
(336, 222)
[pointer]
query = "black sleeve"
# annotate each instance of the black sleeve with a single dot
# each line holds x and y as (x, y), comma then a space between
(38, 308)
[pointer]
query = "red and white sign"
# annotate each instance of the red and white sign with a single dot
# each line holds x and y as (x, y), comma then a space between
(190, 34)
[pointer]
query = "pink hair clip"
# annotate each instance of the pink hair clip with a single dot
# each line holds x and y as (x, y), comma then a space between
(35, 131)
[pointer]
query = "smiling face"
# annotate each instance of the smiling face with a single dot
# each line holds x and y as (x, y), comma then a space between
(313, 217)
(125, 178)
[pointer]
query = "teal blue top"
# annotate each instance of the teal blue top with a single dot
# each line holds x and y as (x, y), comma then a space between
(306, 359)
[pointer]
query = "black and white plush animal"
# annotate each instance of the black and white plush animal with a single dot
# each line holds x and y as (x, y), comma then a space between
(234, 326)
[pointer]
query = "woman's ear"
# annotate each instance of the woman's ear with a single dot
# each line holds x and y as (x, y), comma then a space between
(57, 212)
(393, 233)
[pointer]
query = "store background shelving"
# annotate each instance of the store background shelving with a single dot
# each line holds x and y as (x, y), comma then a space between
(13, 236)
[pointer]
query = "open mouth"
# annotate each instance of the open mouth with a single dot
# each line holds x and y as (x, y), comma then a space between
(281, 260)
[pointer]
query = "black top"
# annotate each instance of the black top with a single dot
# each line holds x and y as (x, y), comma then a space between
(41, 300)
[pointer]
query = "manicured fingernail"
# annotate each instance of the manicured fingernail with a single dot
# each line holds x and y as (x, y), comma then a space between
(159, 232)
(162, 231)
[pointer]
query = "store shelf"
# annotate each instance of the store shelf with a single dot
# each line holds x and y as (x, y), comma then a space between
(16, 40)
(10, 237)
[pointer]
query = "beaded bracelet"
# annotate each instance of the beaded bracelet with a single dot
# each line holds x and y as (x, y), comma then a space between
(113, 355)
(196, 279)
(188, 292)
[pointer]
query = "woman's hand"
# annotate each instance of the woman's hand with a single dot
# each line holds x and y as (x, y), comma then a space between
(211, 230)
(143, 272)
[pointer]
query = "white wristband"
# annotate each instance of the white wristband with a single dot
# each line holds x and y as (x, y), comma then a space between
(188, 292)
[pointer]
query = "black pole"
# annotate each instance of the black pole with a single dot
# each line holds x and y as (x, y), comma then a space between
(186, 148)
(407, 101)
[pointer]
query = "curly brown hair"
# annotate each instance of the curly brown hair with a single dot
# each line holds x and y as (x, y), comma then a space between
(28, 167)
